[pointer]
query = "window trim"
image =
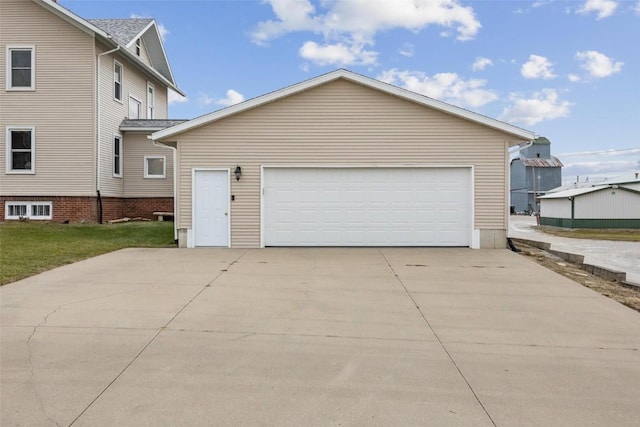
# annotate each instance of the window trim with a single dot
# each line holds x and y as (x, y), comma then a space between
(116, 82)
(29, 205)
(9, 157)
(139, 107)
(164, 167)
(9, 84)
(120, 162)
(151, 106)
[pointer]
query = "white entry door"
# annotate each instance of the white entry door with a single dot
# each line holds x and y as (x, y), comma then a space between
(367, 206)
(211, 208)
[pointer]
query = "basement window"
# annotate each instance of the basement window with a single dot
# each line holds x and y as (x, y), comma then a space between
(28, 210)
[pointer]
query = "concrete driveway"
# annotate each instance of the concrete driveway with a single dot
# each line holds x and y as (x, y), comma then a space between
(304, 337)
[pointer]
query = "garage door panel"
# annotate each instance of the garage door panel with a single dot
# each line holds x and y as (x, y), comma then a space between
(367, 206)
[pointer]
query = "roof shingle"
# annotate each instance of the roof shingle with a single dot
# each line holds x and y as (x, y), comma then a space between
(122, 30)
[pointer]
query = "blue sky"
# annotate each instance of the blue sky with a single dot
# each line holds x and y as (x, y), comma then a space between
(567, 70)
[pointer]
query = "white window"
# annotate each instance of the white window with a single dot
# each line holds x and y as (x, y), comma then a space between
(21, 149)
(155, 167)
(151, 100)
(27, 210)
(117, 155)
(21, 68)
(134, 108)
(117, 81)
(138, 47)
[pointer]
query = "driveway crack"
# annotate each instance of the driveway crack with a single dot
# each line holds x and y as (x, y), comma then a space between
(30, 381)
(426, 321)
(162, 328)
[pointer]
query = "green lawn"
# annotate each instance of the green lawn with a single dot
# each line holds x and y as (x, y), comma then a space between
(28, 248)
(595, 234)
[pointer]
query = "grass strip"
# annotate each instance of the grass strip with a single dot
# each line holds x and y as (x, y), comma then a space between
(28, 248)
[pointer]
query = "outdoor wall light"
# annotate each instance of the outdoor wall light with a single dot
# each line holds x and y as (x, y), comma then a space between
(238, 172)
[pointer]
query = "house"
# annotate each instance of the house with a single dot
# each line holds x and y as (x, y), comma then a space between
(69, 84)
(601, 206)
(534, 172)
(342, 160)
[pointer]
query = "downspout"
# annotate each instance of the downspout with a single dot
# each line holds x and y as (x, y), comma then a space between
(98, 157)
(175, 182)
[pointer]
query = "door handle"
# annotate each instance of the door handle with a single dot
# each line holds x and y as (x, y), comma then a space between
(226, 213)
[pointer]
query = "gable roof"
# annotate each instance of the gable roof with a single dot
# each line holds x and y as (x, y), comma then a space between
(123, 29)
(575, 192)
(519, 133)
(148, 125)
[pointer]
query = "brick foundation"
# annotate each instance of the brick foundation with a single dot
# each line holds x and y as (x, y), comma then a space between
(85, 209)
(145, 207)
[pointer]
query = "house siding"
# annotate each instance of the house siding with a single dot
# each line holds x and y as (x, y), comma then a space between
(64, 95)
(137, 146)
(342, 123)
(134, 83)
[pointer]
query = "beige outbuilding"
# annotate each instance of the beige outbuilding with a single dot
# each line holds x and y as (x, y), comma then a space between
(342, 160)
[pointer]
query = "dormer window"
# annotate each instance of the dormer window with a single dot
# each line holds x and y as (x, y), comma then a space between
(138, 47)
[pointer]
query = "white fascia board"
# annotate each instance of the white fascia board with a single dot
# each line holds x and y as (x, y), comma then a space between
(357, 78)
(71, 17)
(133, 58)
(156, 35)
(91, 29)
(140, 34)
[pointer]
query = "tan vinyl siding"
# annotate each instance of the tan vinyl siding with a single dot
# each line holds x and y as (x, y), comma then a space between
(134, 83)
(340, 123)
(137, 146)
(61, 108)
(144, 54)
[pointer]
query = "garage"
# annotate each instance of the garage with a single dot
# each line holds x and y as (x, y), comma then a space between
(361, 206)
(342, 160)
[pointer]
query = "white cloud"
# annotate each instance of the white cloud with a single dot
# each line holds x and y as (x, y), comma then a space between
(233, 97)
(447, 87)
(337, 54)
(597, 64)
(174, 97)
(351, 25)
(636, 8)
(163, 32)
(204, 99)
(407, 50)
(543, 105)
(481, 63)
(538, 67)
(574, 78)
(603, 8)
(612, 152)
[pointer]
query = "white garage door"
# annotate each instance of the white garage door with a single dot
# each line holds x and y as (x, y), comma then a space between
(367, 206)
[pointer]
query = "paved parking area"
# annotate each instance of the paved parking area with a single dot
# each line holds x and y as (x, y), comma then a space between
(295, 337)
(616, 255)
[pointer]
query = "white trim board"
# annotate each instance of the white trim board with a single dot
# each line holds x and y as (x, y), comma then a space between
(517, 132)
